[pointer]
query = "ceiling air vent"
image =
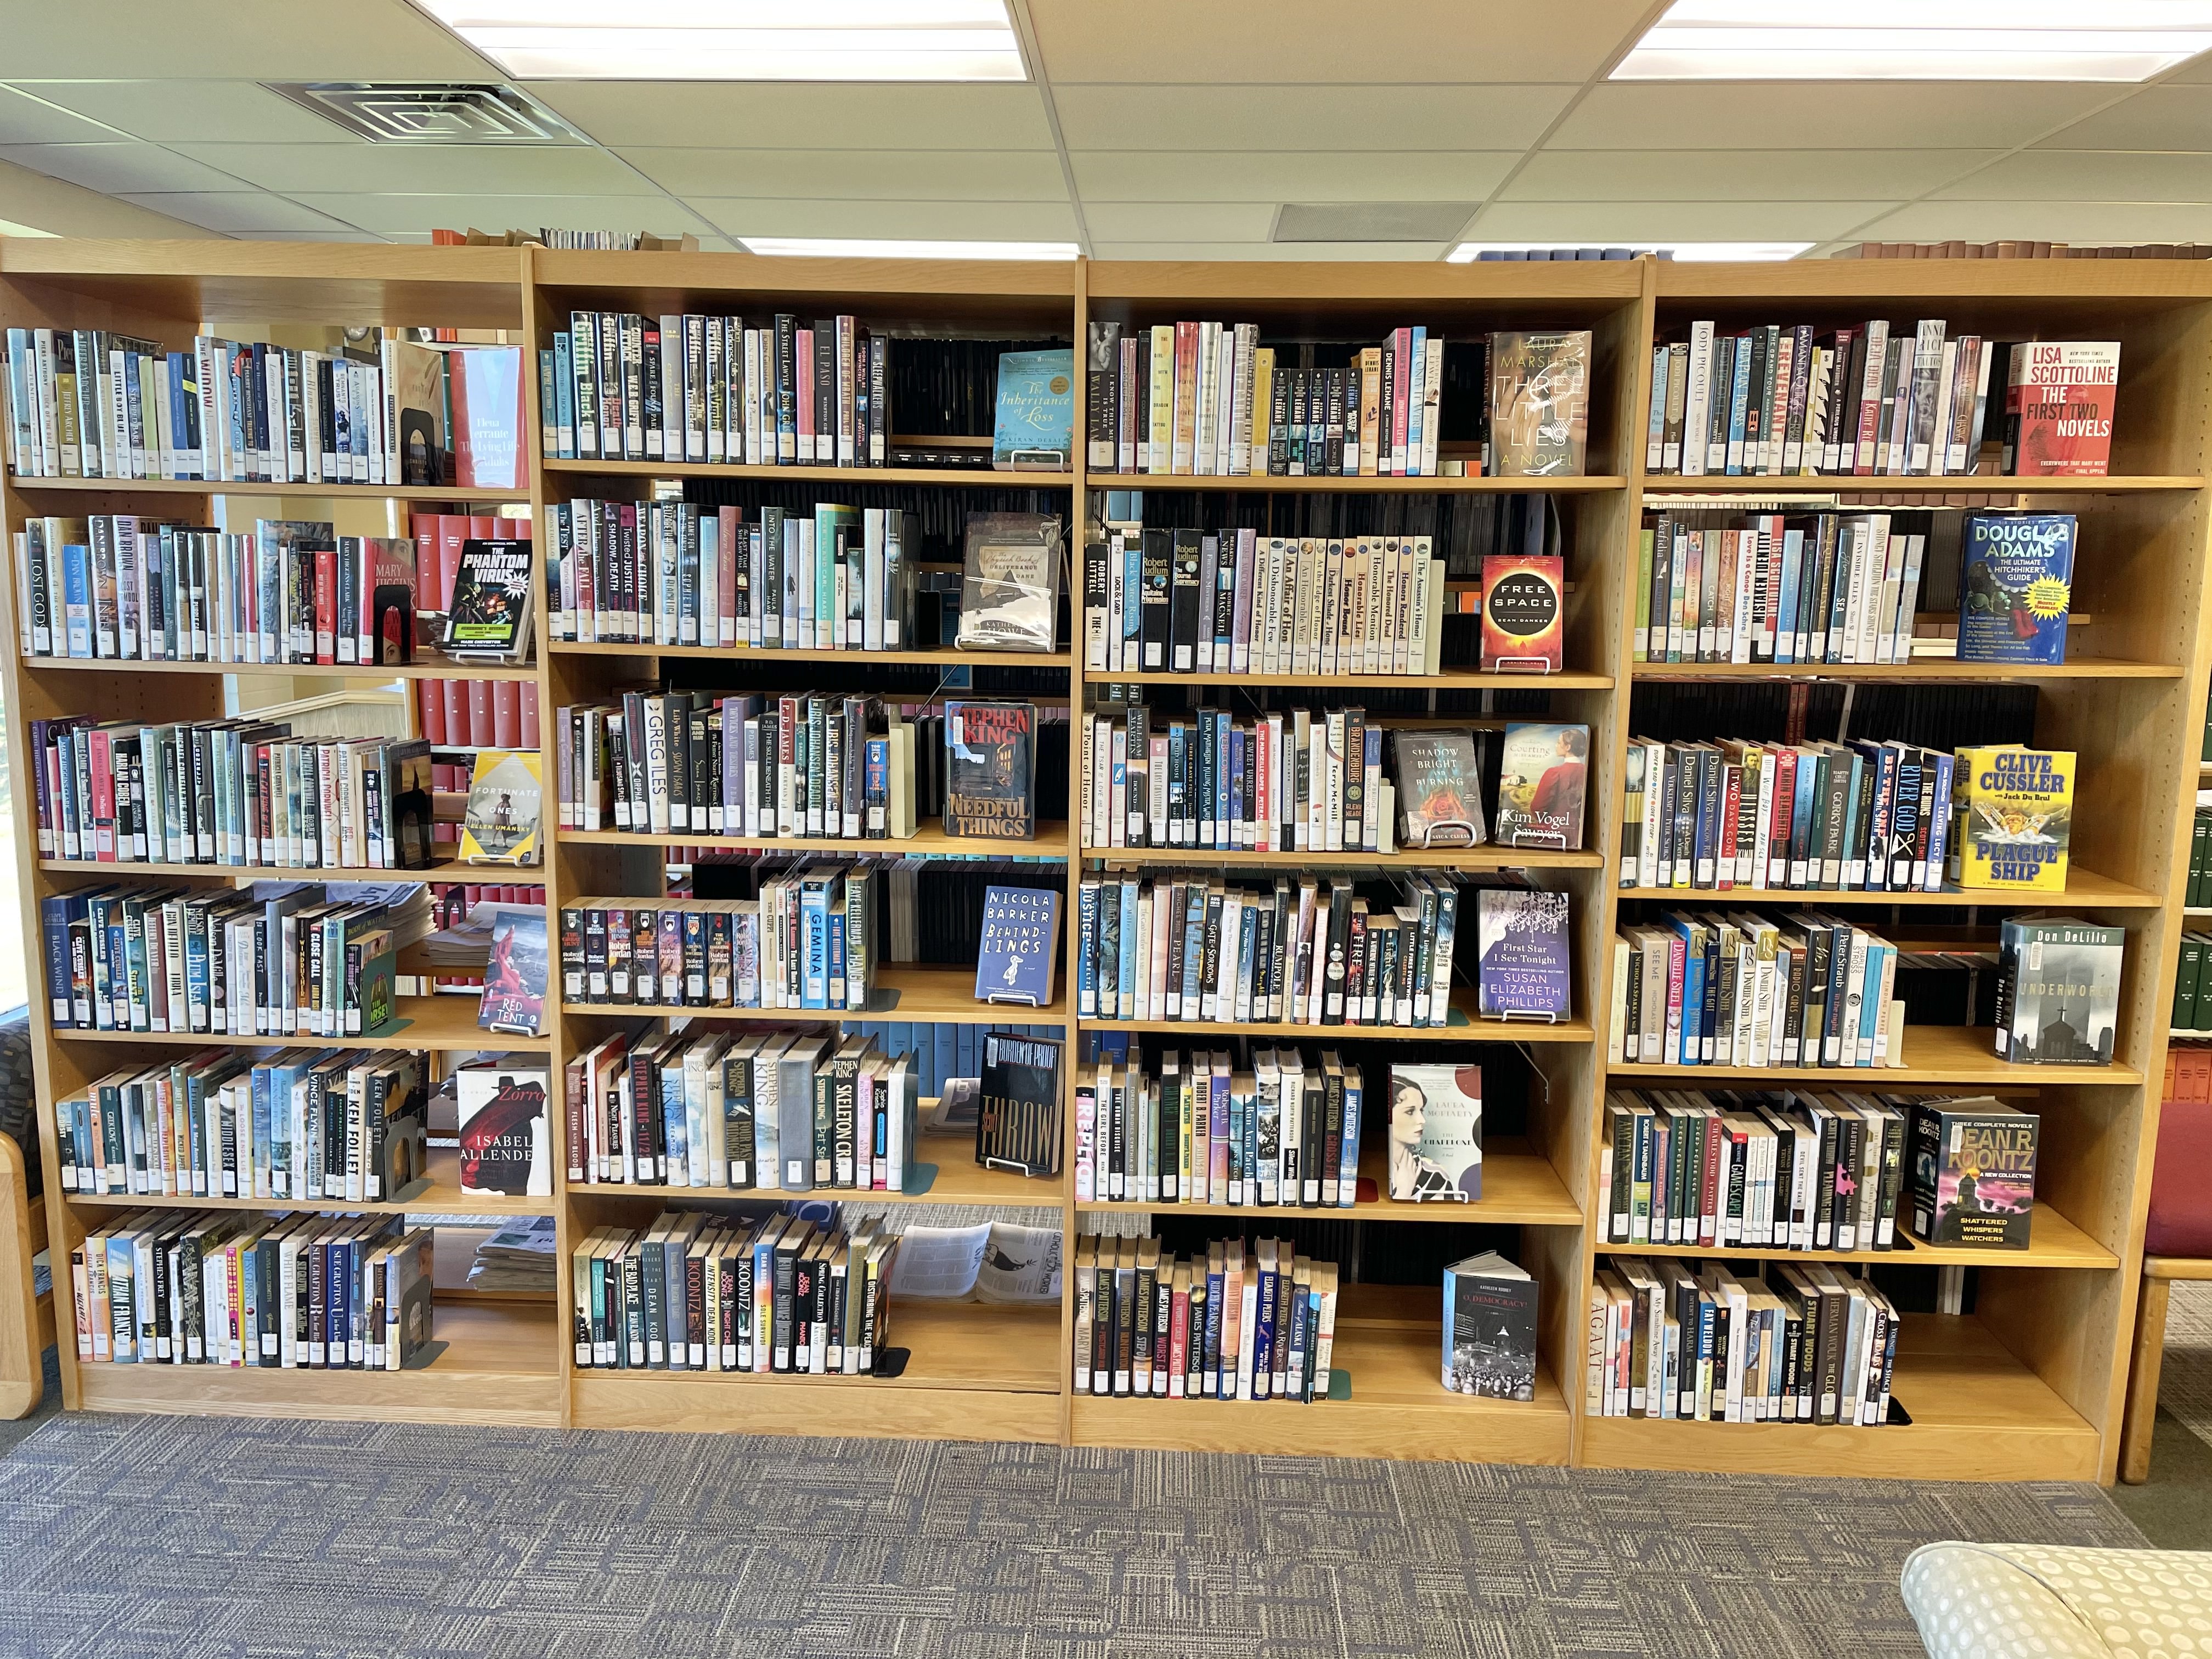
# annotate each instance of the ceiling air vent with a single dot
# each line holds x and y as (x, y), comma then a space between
(429, 114)
(1372, 222)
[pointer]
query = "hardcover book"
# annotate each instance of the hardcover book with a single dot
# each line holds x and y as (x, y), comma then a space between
(505, 797)
(1009, 582)
(1520, 972)
(990, 786)
(488, 614)
(1436, 1134)
(1036, 420)
(506, 1146)
(1017, 1123)
(2015, 812)
(514, 977)
(2015, 586)
(414, 412)
(1020, 953)
(1522, 610)
(488, 453)
(1543, 772)
(1490, 1328)
(1539, 403)
(1439, 784)
(2058, 991)
(1973, 1173)
(2058, 408)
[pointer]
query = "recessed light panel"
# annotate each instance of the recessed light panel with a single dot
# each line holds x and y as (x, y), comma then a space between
(1919, 40)
(741, 40)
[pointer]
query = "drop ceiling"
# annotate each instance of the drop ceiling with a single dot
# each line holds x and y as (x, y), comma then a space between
(1152, 129)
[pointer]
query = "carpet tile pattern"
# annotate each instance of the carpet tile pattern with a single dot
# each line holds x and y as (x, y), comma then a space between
(176, 1538)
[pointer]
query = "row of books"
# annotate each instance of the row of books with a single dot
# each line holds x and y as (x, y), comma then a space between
(1797, 1169)
(620, 386)
(697, 1292)
(1236, 602)
(1202, 1132)
(808, 941)
(1861, 816)
(303, 1292)
(2198, 894)
(128, 588)
(675, 573)
(2192, 1005)
(477, 714)
(1207, 399)
(1211, 1325)
(1737, 988)
(1788, 1342)
(87, 402)
(1198, 949)
(790, 1110)
(237, 792)
(2188, 1073)
(302, 1123)
(818, 767)
(273, 960)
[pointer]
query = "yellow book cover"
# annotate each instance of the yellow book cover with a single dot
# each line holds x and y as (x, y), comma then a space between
(2015, 819)
(1370, 411)
(506, 795)
(1160, 445)
(1263, 394)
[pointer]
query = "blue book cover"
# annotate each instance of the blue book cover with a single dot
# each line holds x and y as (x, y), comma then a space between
(2015, 586)
(1020, 945)
(1126, 971)
(1036, 408)
(1522, 966)
(1739, 404)
(77, 600)
(1785, 626)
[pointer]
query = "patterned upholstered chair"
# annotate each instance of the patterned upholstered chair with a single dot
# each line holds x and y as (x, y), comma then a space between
(2025, 1602)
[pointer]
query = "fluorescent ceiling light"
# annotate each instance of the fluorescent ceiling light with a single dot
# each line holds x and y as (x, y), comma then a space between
(1466, 252)
(9, 228)
(1919, 40)
(838, 247)
(740, 39)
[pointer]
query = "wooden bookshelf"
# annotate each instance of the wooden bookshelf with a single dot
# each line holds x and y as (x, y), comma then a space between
(2029, 1386)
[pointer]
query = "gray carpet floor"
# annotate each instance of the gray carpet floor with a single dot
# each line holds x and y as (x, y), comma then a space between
(187, 1539)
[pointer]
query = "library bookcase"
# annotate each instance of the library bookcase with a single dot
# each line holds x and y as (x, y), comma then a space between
(2029, 1386)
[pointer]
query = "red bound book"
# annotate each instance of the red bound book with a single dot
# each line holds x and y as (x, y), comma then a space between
(530, 738)
(437, 569)
(806, 379)
(506, 713)
(457, 712)
(430, 700)
(484, 729)
(326, 605)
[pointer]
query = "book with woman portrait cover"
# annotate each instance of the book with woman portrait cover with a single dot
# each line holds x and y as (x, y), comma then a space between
(1436, 1134)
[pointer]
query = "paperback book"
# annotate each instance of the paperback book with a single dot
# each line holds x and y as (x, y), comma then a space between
(489, 615)
(1439, 786)
(1490, 1328)
(2016, 811)
(2017, 583)
(1522, 972)
(1522, 612)
(505, 797)
(1020, 956)
(1543, 773)
(1036, 420)
(506, 1142)
(2058, 991)
(1973, 1173)
(513, 998)
(1436, 1134)
(2058, 408)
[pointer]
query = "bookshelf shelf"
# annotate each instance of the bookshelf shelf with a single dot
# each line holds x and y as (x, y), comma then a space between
(960, 1180)
(443, 1197)
(2084, 888)
(1933, 1054)
(928, 840)
(2030, 1386)
(443, 1023)
(1407, 858)
(1519, 1188)
(448, 870)
(975, 477)
(2057, 1243)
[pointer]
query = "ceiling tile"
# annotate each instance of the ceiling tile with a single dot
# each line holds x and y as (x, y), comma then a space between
(27, 116)
(1305, 40)
(1611, 175)
(1014, 221)
(1274, 176)
(2057, 222)
(1163, 222)
(389, 211)
(1819, 115)
(1305, 117)
(2047, 175)
(786, 115)
(1611, 223)
(490, 169)
(973, 175)
(1272, 252)
(250, 39)
(2156, 118)
(237, 210)
(208, 112)
(119, 168)
(2196, 72)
